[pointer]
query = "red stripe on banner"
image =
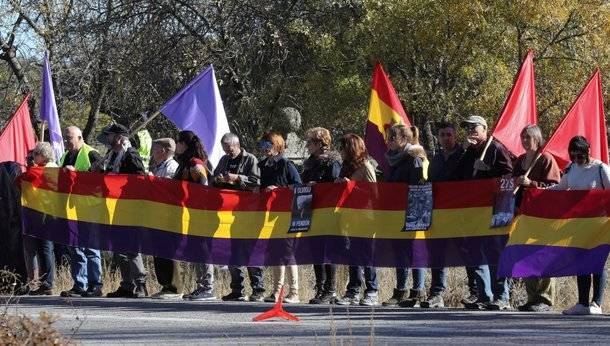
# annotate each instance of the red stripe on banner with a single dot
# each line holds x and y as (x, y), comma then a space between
(565, 204)
(356, 195)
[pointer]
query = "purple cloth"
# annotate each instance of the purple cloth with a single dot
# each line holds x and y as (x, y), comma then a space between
(48, 109)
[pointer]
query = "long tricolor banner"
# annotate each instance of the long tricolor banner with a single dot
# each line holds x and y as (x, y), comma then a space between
(352, 223)
(558, 233)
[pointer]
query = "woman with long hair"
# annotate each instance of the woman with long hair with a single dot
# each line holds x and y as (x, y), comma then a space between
(278, 171)
(357, 166)
(193, 166)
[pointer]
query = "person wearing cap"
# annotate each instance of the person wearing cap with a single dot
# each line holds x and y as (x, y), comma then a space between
(124, 159)
(238, 170)
(168, 271)
(85, 263)
(493, 292)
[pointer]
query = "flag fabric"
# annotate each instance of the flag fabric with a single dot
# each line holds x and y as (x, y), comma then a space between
(198, 108)
(586, 118)
(48, 109)
(18, 138)
(569, 238)
(519, 109)
(385, 110)
(355, 223)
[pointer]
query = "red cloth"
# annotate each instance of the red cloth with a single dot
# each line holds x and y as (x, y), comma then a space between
(519, 109)
(586, 118)
(17, 137)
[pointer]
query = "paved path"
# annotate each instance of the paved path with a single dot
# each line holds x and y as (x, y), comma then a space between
(147, 321)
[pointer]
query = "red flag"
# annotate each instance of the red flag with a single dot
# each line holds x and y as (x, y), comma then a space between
(385, 110)
(519, 109)
(586, 118)
(17, 137)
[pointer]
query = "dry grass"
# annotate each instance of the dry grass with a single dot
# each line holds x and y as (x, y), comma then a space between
(456, 290)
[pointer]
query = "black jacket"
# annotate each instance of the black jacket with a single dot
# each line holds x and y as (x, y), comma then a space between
(322, 169)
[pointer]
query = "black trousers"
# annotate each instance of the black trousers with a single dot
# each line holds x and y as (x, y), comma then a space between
(326, 277)
(165, 270)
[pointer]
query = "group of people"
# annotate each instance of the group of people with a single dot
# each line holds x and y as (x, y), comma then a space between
(185, 158)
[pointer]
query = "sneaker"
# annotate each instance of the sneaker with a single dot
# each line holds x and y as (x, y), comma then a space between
(578, 309)
(317, 297)
(498, 304)
(119, 293)
(397, 297)
(272, 298)
(325, 298)
(201, 294)
(469, 300)
(477, 305)
(140, 291)
(234, 297)
(535, 307)
(370, 300)
(72, 293)
(92, 292)
(595, 309)
(42, 291)
(292, 298)
(166, 294)
(414, 299)
(435, 301)
(349, 299)
(257, 296)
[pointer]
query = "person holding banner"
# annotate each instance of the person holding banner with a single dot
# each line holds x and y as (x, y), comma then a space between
(536, 170)
(38, 252)
(85, 263)
(443, 168)
(238, 170)
(194, 166)
(357, 166)
(406, 162)
(493, 292)
(585, 173)
(322, 166)
(278, 171)
(122, 158)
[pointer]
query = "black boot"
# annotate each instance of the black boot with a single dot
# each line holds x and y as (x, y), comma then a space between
(398, 297)
(414, 300)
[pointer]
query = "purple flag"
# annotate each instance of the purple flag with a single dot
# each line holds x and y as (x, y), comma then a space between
(198, 107)
(48, 109)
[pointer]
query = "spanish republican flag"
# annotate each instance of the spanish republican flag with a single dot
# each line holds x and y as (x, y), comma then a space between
(385, 111)
(519, 109)
(586, 118)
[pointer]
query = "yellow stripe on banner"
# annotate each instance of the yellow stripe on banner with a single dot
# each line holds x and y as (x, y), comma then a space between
(584, 233)
(447, 223)
(381, 114)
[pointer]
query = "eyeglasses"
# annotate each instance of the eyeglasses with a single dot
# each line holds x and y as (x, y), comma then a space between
(473, 127)
(265, 145)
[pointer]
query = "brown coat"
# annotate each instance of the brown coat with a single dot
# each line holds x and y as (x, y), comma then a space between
(545, 172)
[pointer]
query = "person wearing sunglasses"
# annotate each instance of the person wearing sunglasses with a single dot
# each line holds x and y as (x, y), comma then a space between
(544, 173)
(277, 171)
(585, 173)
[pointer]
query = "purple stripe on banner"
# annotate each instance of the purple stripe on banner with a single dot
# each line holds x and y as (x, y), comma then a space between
(523, 261)
(469, 251)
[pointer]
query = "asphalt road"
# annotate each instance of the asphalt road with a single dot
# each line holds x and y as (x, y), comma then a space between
(148, 321)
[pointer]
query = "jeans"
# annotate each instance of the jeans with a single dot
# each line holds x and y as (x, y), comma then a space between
(402, 275)
(132, 270)
(479, 282)
(40, 251)
(500, 286)
(584, 288)
(238, 276)
(439, 281)
(326, 277)
(86, 265)
(357, 275)
(205, 276)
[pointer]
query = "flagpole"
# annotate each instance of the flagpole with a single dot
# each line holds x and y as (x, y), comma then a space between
(483, 154)
(529, 170)
(142, 125)
(42, 131)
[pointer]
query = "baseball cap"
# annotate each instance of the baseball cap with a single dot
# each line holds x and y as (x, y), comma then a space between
(474, 119)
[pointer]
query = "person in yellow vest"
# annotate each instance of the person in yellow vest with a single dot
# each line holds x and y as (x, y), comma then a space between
(85, 263)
